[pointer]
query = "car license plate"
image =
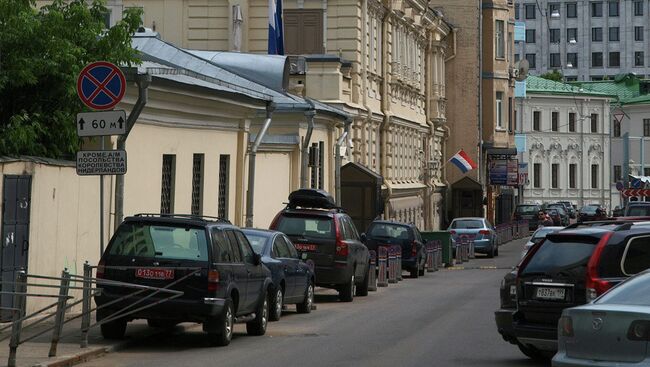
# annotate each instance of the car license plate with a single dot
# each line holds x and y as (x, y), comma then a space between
(550, 293)
(158, 274)
(513, 290)
(305, 247)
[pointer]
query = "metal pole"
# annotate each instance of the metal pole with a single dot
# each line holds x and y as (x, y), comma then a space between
(641, 160)
(626, 164)
(86, 305)
(60, 312)
(250, 193)
(19, 310)
(101, 209)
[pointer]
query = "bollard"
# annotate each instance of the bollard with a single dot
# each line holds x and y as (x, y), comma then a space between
(392, 261)
(430, 259)
(382, 258)
(86, 304)
(372, 271)
(459, 258)
(438, 250)
(60, 312)
(464, 251)
(472, 254)
(20, 291)
(398, 250)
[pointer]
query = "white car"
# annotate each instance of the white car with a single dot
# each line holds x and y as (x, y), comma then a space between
(539, 235)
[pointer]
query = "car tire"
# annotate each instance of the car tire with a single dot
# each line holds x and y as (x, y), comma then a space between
(275, 306)
(346, 291)
(423, 270)
(534, 353)
(306, 305)
(257, 327)
(415, 272)
(490, 254)
(496, 252)
(226, 323)
(113, 329)
(362, 289)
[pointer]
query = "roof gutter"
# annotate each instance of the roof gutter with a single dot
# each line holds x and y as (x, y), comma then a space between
(250, 193)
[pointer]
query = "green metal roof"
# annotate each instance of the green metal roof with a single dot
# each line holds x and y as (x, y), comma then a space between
(625, 87)
(538, 85)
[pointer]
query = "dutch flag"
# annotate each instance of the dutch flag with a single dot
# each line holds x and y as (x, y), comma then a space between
(463, 161)
(276, 37)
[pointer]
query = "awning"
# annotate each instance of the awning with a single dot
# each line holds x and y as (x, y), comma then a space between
(501, 151)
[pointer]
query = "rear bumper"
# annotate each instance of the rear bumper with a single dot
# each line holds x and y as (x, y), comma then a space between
(562, 360)
(410, 263)
(331, 276)
(503, 318)
(542, 337)
(483, 245)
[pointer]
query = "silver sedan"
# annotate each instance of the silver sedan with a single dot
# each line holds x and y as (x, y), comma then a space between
(613, 330)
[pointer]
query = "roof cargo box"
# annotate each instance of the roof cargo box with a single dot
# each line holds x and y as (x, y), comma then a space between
(311, 198)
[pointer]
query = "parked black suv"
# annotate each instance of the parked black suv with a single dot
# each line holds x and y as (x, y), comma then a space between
(528, 212)
(230, 284)
(329, 238)
(637, 209)
(407, 236)
(570, 268)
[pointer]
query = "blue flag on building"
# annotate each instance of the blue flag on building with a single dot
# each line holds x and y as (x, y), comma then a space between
(276, 36)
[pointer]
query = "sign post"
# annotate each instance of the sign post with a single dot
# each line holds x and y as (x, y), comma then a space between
(100, 86)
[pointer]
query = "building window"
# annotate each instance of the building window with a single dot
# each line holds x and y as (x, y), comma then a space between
(571, 60)
(517, 11)
(197, 184)
(554, 10)
(617, 129)
(555, 116)
(572, 10)
(531, 61)
(224, 180)
(530, 36)
(572, 35)
(646, 172)
(614, 34)
(617, 173)
(594, 176)
(595, 78)
(571, 78)
(638, 8)
(530, 11)
(572, 122)
(614, 59)
(638, 33)
(167, 183)
(638, 58)
(646, 127)
(537, 175)
(596, 34)
(537, 116)
(555, 170)
(510, 105)
(596, 59)
(500, 39)
(594, 122)
(554, 34)
(597, 9)
(499, 110)
(613, 8)
(303, 31)
(554, 60)
(573, 168)
(517, 57)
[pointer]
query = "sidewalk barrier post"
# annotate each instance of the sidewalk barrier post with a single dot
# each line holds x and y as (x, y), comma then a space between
(430, 258)
(60, 312)
(392, 260)
(459, 256)
(465, 252)
(372, 272)
(439, 255)
(86, 304)
(382, 258)
(472, 254)
(398, 250)
(18, 312)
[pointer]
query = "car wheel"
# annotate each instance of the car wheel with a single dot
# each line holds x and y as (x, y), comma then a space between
(490, 254)
(362, 289)
(415, 272)
(496, 252)
(258, 325)
(226, 324)
(306, 305)
(423, 270)
(346, 291)
(113, 329)
(276, 305)
(534, 353)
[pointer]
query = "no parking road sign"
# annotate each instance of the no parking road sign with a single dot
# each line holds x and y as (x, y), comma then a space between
(101, 85)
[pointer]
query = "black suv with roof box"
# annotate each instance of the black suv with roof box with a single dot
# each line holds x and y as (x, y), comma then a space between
(209, 260)
(328, 237)
(570, 268)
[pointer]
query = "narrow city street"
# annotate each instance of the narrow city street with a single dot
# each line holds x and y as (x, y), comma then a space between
(443, 319)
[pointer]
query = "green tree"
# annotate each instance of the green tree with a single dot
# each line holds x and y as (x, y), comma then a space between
(554, 75)
(42, 52)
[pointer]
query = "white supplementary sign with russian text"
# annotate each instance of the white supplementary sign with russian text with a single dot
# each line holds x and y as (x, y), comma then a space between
(101, 162)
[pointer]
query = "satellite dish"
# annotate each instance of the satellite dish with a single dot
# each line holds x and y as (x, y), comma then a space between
(520, 70)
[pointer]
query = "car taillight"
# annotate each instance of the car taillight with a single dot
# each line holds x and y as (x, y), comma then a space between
(100, 270)
(565, 326)
(453, 233)
(414, 249)
(341, 247)
(596, 286)
(213, 280)
(639, 330)
(484, 232)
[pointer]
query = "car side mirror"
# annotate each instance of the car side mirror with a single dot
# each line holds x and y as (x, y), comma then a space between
(363, 237)
(257, 259)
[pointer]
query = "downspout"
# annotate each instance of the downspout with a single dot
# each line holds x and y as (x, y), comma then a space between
(337, 161)
(364, 67)
(143, 81)
(250, 193)
(480, 106)
(304, 154)
(429, 78)
(324, 4)
(385, 100)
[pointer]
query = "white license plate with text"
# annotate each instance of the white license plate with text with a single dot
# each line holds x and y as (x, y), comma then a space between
(550, 293)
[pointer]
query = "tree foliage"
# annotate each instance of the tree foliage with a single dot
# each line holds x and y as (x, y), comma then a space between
(554, 75)
(42, 52)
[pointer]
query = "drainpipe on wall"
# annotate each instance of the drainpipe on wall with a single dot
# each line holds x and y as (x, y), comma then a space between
(481, 173)
(304, 155)
(385, 110)
(337, 161)
(143, 81)
(250, 193)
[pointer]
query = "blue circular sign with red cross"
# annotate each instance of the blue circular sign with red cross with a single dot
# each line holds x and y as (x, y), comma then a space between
(101, 85)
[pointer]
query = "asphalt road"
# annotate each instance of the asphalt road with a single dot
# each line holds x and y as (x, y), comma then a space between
(443, 319)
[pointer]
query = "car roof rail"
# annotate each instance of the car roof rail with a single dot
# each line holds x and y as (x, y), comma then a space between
(599, 223)
(329, 210)
(184, 216)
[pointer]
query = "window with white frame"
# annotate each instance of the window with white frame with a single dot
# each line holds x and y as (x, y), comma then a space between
(499, 109)
(499, 35)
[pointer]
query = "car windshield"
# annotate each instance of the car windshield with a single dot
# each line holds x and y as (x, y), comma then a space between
(257, 241)
(558, 254)
(388, 230)
(589, 209)
(527, 209)
(541, 233)
(635, 291)
(160, 241)
(467, 224)
(638, 211)
(560, 209)
(308, 227)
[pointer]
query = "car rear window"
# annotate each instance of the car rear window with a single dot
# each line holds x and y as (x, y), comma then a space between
(638, 211)
(160, 241)
(588, 209)
(527, 209)
(557, 254)
(467, 224)
(635, 291)
(388, 230)
(637, 256)
(309, 227)
(257, 242)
